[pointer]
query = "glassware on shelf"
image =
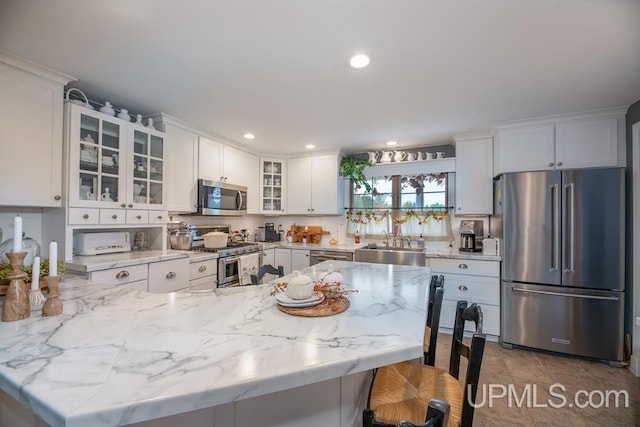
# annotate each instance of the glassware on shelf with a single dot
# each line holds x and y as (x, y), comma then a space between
(108, 109)
(29, 245)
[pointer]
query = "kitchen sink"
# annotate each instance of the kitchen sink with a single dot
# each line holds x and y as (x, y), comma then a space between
(390, 255)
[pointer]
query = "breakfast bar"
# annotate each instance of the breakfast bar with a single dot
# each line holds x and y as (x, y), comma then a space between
(225, 358)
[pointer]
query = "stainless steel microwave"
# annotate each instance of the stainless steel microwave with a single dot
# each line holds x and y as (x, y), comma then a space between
(220, 198)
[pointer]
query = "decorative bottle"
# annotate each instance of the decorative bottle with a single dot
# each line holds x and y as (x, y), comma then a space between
(357, 238)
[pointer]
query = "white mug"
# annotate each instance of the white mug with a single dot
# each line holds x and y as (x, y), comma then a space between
(413, 156)
(428, 156)
(439, 155)
(373, 156)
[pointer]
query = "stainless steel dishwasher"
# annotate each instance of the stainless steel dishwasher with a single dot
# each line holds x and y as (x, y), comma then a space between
(319, 256)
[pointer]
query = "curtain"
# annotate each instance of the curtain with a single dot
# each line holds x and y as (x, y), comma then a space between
(433, 224)
(368, 222)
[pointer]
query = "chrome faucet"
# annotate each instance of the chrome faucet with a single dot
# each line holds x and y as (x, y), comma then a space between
(402, 240)
(386, 236)
(396, 232)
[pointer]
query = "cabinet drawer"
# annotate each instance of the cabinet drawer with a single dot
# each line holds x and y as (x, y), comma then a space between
(465, 266)
(136, 216)
(158, 217)
(84, 216)
(204, 283)
(121, 275)
(203, 268)
(112, 216)
(169, 276)
(472, 288)
(490, 317)
(141, 285)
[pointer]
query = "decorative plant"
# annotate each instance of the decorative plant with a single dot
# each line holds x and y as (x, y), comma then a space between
(353, 167)
(44, 269)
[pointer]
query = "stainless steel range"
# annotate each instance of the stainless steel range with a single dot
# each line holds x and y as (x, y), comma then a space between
(235, 262)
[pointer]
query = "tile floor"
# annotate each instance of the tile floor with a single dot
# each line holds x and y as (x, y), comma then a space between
(536, 371)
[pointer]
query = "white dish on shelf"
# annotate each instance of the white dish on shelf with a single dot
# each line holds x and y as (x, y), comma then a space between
(286, 301)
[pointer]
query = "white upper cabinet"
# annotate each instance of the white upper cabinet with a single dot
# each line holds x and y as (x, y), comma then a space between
(31, 117)
(474, 176)
(251, 179)
(313, 185)
(209, 160)
(273, 173)
(232, 164)
(113, 163)
(220, 162)
(588, 143)
(567, 142)
(182, 167)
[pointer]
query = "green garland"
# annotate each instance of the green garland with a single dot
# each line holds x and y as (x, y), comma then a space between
(353, 167)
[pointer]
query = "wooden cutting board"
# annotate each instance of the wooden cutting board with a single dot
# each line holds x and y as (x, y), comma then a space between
(313, 233)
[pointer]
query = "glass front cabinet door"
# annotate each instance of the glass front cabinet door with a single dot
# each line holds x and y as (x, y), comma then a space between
(113, 163)
(272, 179)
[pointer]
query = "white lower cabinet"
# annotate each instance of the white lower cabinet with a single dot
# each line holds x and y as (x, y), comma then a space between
(282, 257)
(474, 281)
(169, 276)
(131, 277)
(300, 259)
(203, 275)
(269, 257)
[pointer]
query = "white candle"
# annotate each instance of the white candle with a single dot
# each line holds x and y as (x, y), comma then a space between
(17, 234)
(35, 275)
(53, 259)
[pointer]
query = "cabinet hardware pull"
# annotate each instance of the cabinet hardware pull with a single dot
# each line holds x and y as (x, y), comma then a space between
(463, 288)
(122, 274)
(159, 216)
(123, 205)
(459, 208)
(57, 197)
(559, 163)
(130, 205)
(114, 216)
(139, 217)
(85, 216)
(551, 164)
(170, 275)
(202, 268)
(463, 266)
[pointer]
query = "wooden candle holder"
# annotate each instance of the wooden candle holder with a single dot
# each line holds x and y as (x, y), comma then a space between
(16, 301)
(52, 306)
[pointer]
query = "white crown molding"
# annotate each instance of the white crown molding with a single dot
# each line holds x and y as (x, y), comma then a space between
(35, 69)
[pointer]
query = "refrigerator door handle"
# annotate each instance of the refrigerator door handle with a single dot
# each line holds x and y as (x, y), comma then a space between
(569, 226)
(529, 291)
(555, 228)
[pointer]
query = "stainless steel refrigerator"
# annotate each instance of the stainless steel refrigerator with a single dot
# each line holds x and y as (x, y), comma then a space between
(563, 260)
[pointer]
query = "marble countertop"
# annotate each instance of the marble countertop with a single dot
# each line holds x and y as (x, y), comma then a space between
(118, 356)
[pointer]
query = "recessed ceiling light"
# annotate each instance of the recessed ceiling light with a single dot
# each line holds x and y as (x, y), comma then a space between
(309, 146)
(391, 143)
(249, 135)
(359, 61)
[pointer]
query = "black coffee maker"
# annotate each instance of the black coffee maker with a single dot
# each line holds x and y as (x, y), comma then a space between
(471, 236)
(270, 233)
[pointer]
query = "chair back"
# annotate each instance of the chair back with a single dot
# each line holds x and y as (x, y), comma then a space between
(436, 295)
(266, 268)
(473, 353)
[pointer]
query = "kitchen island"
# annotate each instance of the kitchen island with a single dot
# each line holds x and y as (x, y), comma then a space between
(225, 358)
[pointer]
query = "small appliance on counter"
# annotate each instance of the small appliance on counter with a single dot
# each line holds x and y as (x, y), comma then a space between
(270, 233)
(101, 243)
(471, 233)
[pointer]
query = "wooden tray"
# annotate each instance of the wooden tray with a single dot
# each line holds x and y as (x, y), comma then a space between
(325, 308)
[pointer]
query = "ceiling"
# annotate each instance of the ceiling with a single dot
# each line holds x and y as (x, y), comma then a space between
(278, 68)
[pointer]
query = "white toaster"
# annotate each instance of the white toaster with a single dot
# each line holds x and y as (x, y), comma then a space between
(101, 243)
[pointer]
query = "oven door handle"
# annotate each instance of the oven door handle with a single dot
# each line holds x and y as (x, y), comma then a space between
(229, 259)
